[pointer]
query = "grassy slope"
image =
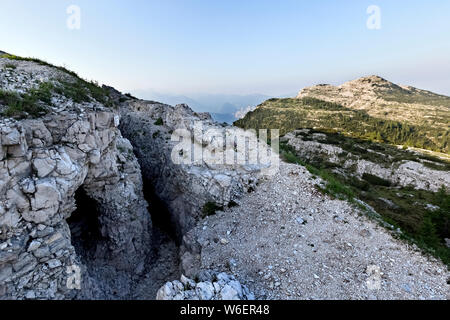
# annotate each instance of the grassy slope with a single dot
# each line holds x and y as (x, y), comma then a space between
(291, 114)
(36, 101)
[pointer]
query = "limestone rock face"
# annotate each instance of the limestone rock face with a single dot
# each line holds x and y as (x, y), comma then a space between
(187, 186)
(43, 162)
(40, 173)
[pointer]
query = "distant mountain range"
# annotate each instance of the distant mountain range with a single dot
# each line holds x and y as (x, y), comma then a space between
(222, 107)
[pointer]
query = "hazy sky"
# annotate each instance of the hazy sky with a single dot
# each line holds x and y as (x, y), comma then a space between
(227, 46)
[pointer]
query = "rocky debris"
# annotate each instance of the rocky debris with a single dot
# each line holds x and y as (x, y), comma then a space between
(187, 186)
(403, 173)
(212, 286)
(43, 162)
(338, 254)
(303, 245)
(447, 242)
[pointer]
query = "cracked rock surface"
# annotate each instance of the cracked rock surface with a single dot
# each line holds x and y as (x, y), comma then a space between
(43, 162)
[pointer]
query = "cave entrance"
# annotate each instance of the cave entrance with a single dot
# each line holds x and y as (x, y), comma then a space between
(160, 214)
(85, 227)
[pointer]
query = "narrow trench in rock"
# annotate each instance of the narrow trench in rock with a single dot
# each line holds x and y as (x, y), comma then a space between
(161, 217)
(90, 246)
(165, 264)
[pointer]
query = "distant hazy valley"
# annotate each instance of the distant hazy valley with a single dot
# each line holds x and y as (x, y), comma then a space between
(222, 107)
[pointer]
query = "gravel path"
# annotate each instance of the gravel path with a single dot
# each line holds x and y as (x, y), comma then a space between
(288, 241)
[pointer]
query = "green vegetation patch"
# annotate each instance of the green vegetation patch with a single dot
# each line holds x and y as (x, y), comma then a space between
(159, 122)
(210, 208)
(10, 66)
(376, 181)
(34, 103)
(78, 90)
(38, 61)
(83, 91)
(291, 114)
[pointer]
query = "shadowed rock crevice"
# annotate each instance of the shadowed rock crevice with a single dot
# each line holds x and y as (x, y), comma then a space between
(85, 227)
(162, 220)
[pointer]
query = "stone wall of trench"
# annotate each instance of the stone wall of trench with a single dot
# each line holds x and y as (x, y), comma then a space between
(43, 162)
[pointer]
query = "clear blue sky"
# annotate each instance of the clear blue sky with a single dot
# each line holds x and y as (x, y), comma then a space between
(227, 46)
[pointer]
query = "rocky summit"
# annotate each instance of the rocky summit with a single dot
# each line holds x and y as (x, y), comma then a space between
(98, 200)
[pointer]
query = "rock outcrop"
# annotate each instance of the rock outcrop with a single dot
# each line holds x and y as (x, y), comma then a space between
(184, 187)
(398, 172)
(43, 162)
(212, 286)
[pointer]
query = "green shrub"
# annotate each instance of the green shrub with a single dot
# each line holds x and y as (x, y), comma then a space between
(159, 122)
(130, 96)
(34, 103)
(210, 208)
(372, 179)
(10, 66)
(83, 91)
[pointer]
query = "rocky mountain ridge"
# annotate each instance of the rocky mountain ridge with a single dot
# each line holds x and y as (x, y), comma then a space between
(82, 168)
(370, 108)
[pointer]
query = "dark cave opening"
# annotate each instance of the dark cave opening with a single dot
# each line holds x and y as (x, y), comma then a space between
(85, 226)
(160, 214)
(107, 282)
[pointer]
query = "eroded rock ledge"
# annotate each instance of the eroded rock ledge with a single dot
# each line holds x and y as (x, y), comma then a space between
(61, 149)
(43, 163)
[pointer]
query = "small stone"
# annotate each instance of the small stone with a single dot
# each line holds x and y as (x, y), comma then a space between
(447, 242)
(42, 252)
(205, 290)
(5, 273)
(224, 241)
(365, 233)
(300, 220)
(54, 263)
(187, 282)
(406, 287)
(229, 293)
(34, 245)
